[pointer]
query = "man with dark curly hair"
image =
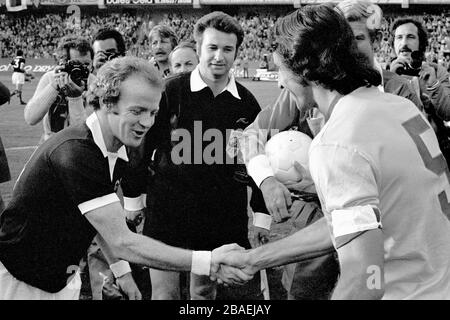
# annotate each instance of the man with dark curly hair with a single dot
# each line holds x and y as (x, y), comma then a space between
(376, 164)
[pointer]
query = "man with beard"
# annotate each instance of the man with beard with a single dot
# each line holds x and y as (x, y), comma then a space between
(410, 41)
(313, 279)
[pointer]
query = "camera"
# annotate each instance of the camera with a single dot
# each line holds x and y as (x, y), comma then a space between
(109, 55)
(77, 71)
(413, 68)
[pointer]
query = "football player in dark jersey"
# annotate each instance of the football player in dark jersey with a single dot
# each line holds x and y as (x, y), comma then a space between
(18, 76)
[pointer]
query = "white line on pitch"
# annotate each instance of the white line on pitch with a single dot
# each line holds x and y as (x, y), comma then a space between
(20, 148)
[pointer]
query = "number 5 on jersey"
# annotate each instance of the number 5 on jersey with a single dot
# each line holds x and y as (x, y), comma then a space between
(438, 165)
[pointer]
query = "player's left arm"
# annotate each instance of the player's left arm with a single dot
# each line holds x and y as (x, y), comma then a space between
(361, 261)
(346, 180)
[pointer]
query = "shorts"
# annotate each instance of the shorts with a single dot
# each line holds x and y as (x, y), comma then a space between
(14, 289)
(18, 78)
(195, 220)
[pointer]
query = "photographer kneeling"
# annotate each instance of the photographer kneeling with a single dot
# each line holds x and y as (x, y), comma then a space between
(58, 98)
(430, 80)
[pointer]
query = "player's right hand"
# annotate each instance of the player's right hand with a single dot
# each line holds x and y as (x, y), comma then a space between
(128, 286)
(277, 198)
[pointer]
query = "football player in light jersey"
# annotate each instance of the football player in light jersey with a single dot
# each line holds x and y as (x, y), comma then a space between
(18, 76)
(380, 175)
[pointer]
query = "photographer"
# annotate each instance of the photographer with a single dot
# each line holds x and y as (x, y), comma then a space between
(58, 98)
(410, 42)
(108, 44)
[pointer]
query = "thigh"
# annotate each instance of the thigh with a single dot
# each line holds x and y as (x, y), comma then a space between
(202, 288)
(165, 285)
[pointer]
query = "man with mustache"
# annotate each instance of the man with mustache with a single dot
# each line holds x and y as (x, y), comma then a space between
(410, 43)
(289, 111)
(380, 176)
(162, 41)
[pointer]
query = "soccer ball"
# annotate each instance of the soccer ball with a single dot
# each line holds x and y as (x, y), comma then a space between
(283, 149)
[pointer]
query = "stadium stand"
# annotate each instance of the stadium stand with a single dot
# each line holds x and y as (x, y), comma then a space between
(38, 32)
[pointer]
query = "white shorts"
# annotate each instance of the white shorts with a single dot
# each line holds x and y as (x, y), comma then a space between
(18, 78)
(13, 289)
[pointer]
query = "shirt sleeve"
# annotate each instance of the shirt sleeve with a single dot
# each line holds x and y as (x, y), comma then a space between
(77, 113)
(346, 184)
(84, 174)
(440, 94)
(268, 122)
(42, 99)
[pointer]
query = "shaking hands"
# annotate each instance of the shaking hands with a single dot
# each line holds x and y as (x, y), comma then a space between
(231, 265)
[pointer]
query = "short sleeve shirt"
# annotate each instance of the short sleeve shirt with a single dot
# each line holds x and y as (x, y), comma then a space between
(43, 232)
(377, 164)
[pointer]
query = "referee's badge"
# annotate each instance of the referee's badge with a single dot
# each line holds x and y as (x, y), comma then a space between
(232, 148)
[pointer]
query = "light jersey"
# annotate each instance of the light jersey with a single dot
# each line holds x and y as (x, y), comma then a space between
(378, 156)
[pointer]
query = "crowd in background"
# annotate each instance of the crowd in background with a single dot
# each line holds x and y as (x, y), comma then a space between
(38, 33)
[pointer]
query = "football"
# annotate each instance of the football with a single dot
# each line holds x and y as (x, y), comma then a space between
(283, 149)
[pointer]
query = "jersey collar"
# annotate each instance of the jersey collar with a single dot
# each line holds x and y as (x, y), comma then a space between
(94, 125)
(198, 84)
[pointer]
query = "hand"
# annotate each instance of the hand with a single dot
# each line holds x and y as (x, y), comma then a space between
(127, 285)
(235, 256)
(225, 266)
(228, 275)
(427, 75)
(68, 87)
(306, 183)
(54, 76)
(259, 236)
(399, 62)
(134, 217)
(277, 198)
(99, 60)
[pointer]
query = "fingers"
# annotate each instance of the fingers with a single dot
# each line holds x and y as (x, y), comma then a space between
(232, 276)
(231, 246)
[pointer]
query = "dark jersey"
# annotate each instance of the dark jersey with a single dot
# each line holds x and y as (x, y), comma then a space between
(200, 201)
(18, 64)
(43, 234)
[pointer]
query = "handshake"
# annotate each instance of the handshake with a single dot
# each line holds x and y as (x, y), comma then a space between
(231, 265)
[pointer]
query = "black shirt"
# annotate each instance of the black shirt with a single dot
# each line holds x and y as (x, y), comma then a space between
(18, 64)
(42, 231)
(198, 203)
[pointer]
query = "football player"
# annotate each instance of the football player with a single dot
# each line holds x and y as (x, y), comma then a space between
(18, 76)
